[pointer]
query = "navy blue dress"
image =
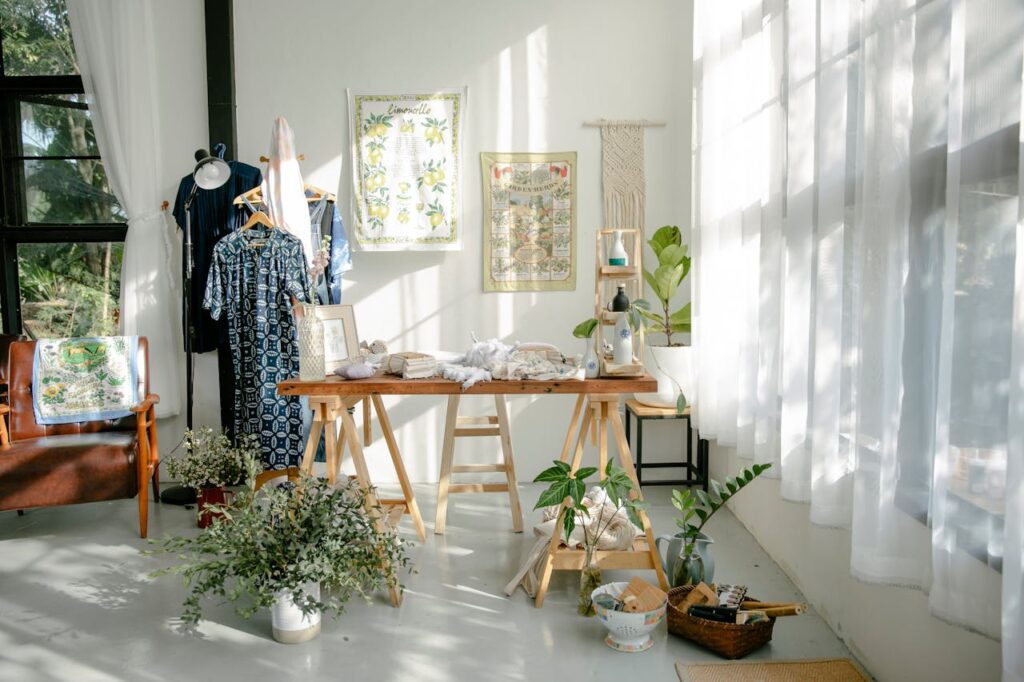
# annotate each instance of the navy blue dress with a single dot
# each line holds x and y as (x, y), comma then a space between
(253, 277)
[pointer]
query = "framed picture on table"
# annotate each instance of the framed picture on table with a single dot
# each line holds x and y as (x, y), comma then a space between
(341, 341)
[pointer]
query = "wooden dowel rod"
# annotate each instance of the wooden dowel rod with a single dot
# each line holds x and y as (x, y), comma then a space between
(607, 122)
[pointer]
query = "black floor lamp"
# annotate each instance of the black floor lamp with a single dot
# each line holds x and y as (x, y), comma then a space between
(210, 173)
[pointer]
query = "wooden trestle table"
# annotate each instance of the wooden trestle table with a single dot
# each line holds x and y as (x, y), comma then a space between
(595, 414)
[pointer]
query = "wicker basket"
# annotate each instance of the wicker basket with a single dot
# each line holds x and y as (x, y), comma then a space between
(725, 639)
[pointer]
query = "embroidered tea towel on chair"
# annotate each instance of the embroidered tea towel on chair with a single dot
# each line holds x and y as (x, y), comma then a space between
(84, 379)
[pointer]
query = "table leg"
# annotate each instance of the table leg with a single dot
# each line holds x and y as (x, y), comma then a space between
(556, 534)
(331, 443)
(602, 441)
(396, 460)
(351, 432)
(316, 428)
(447, 459)
(501, 408)
(627, 463)
(572, 427)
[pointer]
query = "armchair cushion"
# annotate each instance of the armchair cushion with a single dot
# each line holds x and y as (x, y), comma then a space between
(56, 470)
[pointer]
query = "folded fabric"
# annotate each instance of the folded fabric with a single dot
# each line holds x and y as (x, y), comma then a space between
(411, 365)
(487, 360)
(84, 379)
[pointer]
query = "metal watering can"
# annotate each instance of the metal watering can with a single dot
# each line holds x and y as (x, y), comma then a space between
(676, 544)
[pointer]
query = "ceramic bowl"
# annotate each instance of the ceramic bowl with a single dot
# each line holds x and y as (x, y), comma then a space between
(627, 632)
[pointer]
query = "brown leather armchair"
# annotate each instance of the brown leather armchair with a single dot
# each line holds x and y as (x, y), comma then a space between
(51, 465)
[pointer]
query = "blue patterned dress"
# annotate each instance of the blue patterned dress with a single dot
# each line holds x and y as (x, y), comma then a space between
(253, 276)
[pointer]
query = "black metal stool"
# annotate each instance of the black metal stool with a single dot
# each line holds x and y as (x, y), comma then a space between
(696, 473)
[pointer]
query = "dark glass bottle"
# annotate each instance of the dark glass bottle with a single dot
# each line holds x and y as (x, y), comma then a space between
(620, 303)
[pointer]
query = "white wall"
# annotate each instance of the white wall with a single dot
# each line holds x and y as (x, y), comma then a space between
(889, 629)
(535, 70)
(181, 87)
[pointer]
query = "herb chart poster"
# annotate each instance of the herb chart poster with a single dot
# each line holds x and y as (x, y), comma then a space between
(406, 169)
(529, 221)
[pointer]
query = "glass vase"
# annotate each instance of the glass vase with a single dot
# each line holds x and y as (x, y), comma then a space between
(590, 580)
(689, 570)
(311, 345)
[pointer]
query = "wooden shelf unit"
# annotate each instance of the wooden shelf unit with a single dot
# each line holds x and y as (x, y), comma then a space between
(607, 279)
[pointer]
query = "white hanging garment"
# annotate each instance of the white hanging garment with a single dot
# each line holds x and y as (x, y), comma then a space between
(283, 190)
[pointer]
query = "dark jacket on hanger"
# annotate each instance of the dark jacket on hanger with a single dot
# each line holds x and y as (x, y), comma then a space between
(213, 217)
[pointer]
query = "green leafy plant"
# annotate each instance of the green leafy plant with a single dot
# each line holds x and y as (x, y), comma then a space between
(567, 485)
(211, 460)
(703, 505)
(281, 538)
(664, 280)
(570, 488)
(585, 329)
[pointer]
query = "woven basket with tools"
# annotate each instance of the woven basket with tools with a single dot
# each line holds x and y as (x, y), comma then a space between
(725, 639)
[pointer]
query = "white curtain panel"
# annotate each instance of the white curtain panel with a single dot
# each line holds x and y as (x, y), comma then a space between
(115, 46)
(859, 279)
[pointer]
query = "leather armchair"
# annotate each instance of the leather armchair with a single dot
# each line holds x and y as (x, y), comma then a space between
(58, 464)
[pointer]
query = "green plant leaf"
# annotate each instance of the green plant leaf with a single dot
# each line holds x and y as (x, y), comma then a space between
(666, 235)
(673, 255)
(585, 329)
(642, 303)
(731, 486)
(703, 497)
(748, 475)
(554, 473)
(553, 495)
(666, 280)
(701, 514)
(584, 473)
(680, 403)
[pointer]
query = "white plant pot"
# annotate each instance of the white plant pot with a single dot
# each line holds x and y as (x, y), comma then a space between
(666, 363)
(290, 625)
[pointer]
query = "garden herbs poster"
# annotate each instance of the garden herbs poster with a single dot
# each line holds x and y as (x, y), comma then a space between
(529, 221)
(406, 168)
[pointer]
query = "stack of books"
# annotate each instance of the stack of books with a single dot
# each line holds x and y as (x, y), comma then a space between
(411, 365)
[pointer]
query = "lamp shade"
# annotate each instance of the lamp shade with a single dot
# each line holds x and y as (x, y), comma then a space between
(211, 172)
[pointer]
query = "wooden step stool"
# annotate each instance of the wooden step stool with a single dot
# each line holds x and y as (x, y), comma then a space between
(496, 425)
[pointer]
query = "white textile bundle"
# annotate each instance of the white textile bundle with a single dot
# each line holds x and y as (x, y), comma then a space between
(620, 531)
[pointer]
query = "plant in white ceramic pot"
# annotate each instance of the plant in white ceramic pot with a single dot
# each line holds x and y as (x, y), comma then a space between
(298, 549)
(672, 363)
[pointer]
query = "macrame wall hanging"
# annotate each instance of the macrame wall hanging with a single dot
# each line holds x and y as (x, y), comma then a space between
(622, 175)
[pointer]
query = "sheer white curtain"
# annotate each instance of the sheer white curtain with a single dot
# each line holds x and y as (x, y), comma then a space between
(859, 279)
(114, 43)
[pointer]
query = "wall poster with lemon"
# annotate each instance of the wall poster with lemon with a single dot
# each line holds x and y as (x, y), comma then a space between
(529, 221)
(406, 170)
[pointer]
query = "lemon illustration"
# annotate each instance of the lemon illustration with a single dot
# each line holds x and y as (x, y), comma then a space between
(403, 186)
(419, 206)
(375, 157)
(439, 174)
(403, 216)
(436, 219)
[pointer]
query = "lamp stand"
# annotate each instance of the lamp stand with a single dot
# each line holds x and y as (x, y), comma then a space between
(179, 494)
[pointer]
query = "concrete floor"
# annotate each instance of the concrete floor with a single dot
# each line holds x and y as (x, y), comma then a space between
(76, 604)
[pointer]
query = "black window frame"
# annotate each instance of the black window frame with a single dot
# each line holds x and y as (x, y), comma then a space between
(14, 226)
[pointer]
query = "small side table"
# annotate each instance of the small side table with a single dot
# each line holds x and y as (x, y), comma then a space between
(696, 472)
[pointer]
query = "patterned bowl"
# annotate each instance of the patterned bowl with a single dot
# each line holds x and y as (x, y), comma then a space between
(628, 632)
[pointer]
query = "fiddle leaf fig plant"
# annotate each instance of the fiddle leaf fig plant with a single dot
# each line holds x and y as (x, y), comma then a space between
(703, 505)
(664, 280)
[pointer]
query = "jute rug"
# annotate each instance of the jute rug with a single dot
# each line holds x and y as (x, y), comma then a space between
(824, 670)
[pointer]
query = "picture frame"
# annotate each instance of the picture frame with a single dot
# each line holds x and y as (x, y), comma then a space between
(341, 340)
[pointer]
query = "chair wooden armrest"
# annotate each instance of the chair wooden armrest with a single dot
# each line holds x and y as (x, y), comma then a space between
(149, 455)
(5, 439)
(143, 407)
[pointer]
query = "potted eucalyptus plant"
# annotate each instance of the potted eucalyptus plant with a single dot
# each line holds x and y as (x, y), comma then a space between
(210, 464)
(300, 549)
(570, 487)
(672, 363)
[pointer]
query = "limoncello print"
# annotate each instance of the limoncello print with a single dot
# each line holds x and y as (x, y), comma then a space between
(406, 167)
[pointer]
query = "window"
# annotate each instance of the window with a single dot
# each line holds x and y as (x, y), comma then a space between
(61, 229)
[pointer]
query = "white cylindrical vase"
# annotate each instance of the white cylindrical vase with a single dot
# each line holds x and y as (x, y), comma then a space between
(289, 624)
(672, 366)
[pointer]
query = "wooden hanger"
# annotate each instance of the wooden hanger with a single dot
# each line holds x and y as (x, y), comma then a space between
(265, 159)
(258, 217)
(255, 195)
